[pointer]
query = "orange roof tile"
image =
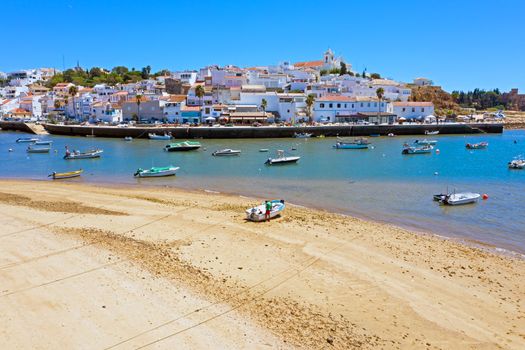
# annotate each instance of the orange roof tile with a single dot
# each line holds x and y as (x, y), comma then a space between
(307, 64)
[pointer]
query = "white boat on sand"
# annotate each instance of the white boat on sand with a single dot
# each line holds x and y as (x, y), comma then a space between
(258, 213)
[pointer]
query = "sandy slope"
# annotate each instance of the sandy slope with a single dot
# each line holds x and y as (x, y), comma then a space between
(90, 267)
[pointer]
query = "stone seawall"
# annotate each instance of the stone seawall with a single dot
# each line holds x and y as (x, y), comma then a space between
(271, 131)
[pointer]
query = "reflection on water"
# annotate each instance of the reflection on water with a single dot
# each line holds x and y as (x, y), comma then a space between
(378, 183)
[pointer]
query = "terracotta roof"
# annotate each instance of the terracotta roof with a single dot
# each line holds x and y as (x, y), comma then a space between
(5, 102)
(19, 111)
(308, 64)
(233, 77)
(177, 98)
(329, 98)
(413, 104)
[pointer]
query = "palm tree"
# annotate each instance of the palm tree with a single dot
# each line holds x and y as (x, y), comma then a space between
(199, 92)
(56, 104)
(310, 99)
(139, 100)
(66, 103)
(380, 93)
(73, 92)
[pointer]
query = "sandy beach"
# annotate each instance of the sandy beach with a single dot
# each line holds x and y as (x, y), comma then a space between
(86, 266)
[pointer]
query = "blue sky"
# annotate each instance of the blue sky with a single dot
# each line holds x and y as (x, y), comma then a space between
(458, 44)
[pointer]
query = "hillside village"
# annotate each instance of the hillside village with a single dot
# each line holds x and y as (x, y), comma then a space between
(319, 91)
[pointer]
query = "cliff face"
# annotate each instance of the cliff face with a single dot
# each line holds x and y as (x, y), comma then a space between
(443, 101)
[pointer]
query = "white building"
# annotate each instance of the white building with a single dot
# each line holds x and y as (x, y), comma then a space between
(173, 108)
(103, 92)
(338, 108)
(412, 110)
(423, 82)
(106, 112)
(188, 77)
(7, 105)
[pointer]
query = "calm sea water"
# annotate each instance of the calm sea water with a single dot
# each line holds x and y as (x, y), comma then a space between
(378, 183)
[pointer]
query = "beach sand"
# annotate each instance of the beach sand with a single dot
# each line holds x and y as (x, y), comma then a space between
(85, 266)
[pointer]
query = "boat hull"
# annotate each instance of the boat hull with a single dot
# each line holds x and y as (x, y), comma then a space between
(148, 173)
(282, 161)
(461, 198)
(226, 153)
(68, 175)
(38, 150)
(350, 146)
(182, 148)
(92, 155)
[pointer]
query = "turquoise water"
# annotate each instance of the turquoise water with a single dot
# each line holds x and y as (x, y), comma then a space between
(380, 183)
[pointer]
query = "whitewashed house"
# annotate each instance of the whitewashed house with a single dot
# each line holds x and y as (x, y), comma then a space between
(103, 92)
(173, 108)
(412, 110)
(423, 82)
(7, 105)
(188, 77)
(338, 108)
(106, 112)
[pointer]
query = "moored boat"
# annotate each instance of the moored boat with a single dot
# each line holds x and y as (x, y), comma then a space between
(360, 143)
(282, 159)
(428, 132)
(480, 145)
(227, 152)
(258, 213)
(461, 198)
(263, 150)
(166, 136)
(43, 142)
(26, 139)
(83, 155)
(517, 164)
(156, 171)
(32, 149)
(425, 142)
(66, 175)
(182, 146)
(128, 138)
(302, 135)
(407, 149)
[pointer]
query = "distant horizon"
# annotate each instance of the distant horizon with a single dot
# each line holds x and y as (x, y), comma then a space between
(450, 43)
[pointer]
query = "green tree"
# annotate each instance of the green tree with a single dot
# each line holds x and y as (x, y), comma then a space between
(73, 90)
(57, 104)
(343, 69)
(364, 73)
(199, 92)
(375, 76)
(310, 99)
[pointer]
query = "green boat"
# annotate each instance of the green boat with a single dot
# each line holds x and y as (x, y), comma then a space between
(156, 171)
(182, 146)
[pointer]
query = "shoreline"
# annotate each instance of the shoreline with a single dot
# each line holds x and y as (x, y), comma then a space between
(308, 279)
(471, 242)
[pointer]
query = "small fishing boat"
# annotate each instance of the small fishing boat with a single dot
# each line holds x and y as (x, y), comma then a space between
(302, 135)
(182, 146)
(166, 136)
(26, 140)
(480, 145)
(391, 135)
(360, 143)
(375, 135)
(257, 213)
(461, 198)
(226, 152)
(32, 149)
(263, 150)
(425, 142)
(282, 159)
(156, 171)
(67, 175)
(83, 155)
(43, 142)
(128, 138)
(407, 149)
(428, 132)
(517, 164)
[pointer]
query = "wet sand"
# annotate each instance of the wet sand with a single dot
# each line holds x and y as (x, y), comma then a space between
(84, 266)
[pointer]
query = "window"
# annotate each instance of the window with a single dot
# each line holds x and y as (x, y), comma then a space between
(422, 109)
(287, 111)
(338, 105)
(413, 109)
(375, 104)
(404, 109)
(345, 105)
(321, 105)
(368, 104)
(361, 104)
(330, 105)
(352, 105)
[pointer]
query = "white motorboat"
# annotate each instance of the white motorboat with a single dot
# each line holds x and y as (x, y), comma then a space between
(258, 213)
(26, 139)
(428, 132)
(156, 171)
(425, 142)
(407, 149)
(166, 136)
(95, 153)
(226, 152)
(264, 150)
(461, 198)
(302, 135)
(44, 143)
(128, 138)
(517, 164)
(32, 149)
(282, 159)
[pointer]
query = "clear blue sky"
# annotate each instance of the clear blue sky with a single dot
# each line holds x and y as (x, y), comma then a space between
(459, 44)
